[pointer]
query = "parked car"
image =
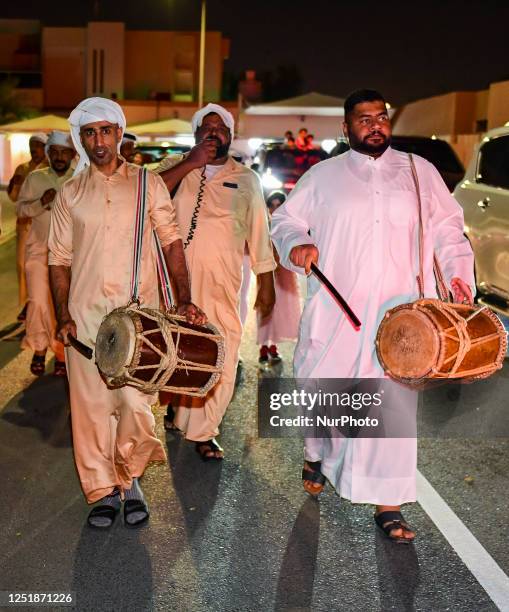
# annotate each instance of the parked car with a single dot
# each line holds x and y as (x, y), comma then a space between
(438, 152)
(281, 168)
(484, 197)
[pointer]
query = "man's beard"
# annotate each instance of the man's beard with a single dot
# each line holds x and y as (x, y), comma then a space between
(222, 149)
(363, 146)
(60, 166)
(100, 160)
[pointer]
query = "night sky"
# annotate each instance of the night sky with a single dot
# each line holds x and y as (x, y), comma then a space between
(408, 50)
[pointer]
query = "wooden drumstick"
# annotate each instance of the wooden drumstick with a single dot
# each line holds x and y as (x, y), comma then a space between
(83, 349)
(338, 297)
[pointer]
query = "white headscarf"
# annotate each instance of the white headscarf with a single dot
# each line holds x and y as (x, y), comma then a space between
(90, 111)
(62, 139)
(128, 137)
(38, 137)
(225, 115)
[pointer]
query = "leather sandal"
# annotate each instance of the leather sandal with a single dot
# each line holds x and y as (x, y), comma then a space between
(135, 505)
(104, 511)
(209, 446)
(390, 520)
(60, 369)
(38, 365)
(313, 474)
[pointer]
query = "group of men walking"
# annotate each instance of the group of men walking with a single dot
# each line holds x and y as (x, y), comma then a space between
(353, 214)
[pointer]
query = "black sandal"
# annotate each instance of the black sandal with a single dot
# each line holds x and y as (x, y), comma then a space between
(169, 419)
(209, 446)
(60, 369)
(104, 511)
(135, 505)
(38, 365)
(314, 475)
(389, 521)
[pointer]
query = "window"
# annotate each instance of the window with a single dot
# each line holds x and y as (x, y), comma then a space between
(493, 167)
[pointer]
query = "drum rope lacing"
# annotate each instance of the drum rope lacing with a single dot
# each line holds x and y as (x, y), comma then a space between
(169, 363)
(459, 324)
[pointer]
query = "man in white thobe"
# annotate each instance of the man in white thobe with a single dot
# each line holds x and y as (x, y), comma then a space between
(361, 212)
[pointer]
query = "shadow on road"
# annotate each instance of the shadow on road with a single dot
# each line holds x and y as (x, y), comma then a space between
(112, 571)
(398, 574)
(196, 482)
(43, 406)
(297, 574)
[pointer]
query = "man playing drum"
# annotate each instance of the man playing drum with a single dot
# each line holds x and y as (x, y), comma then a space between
(361, 212)
(91, 258)
(219, 205)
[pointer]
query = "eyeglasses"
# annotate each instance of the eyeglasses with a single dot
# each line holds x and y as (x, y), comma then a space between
(371, 121)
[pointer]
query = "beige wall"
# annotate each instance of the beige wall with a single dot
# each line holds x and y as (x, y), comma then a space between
(168, 62)
(436, 115)
(105, 40)
(63, 61)
(464, 145)
(30, 98)
(498, 104)
(147, 63)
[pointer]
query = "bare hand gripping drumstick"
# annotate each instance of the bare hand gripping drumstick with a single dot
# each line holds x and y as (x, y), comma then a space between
(85, 350)
(338, 297)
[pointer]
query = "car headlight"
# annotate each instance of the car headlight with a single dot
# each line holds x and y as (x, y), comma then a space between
(270, 181)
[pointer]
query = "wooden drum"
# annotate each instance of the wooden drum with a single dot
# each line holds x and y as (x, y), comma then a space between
(438, 340)
(156, 351)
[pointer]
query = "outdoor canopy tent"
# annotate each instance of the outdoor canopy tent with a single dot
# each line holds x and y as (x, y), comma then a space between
(45, 123)
(320, 114)
(313, 103)
(162, 128)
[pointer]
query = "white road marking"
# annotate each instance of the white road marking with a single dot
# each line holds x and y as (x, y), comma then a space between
(473, 554)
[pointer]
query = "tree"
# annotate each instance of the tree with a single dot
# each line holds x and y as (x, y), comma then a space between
(10, 106)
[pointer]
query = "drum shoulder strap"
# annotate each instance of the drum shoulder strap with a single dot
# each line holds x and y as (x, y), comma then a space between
(442, 290)
(164, 278)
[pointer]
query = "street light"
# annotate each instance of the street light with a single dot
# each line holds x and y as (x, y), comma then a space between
(201, 76)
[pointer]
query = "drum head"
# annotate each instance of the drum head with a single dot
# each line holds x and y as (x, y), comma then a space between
(116, 341)
(408, 344)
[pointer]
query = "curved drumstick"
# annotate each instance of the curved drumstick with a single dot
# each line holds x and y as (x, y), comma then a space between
(83, 349)
(338, 297)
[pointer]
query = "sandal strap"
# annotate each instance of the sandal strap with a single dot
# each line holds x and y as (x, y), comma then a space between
(39, 359)
(103, 511)
(134, 505)
(390, 520)
(314, 474)
(211, 444)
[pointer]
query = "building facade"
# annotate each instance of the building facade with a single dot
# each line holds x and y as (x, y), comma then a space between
(56, 67)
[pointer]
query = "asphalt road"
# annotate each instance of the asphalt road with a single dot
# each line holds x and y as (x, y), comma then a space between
(242, 535)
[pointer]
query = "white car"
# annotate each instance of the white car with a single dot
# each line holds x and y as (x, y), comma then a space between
(484, 197)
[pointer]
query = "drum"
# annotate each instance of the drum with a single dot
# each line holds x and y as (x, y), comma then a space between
(155, 351)
(431, 339)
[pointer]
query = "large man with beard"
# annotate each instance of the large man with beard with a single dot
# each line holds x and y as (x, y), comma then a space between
(91, 245)
(357, 215)
(220, 206)
(35, 202)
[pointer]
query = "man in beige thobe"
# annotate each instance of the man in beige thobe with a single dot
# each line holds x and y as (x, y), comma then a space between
(220, 206)
(35, 202)
(37, 160)
(91, 253)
